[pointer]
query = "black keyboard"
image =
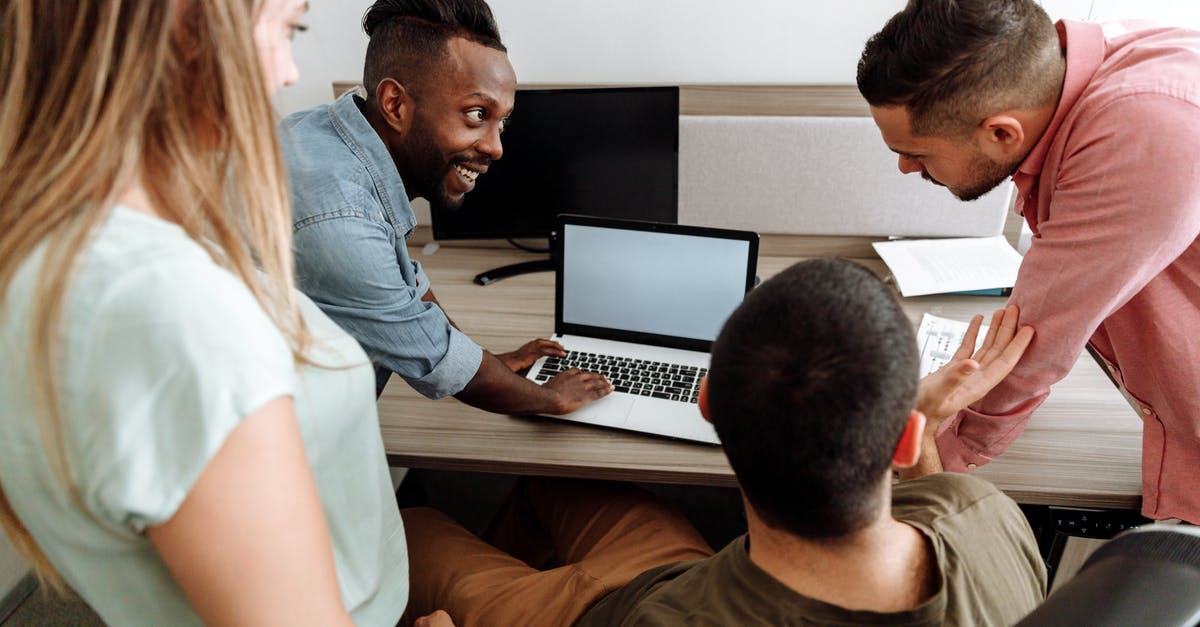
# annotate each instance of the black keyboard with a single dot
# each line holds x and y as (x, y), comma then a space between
(642, 377)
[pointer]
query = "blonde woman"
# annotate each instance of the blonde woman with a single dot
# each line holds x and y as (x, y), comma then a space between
(182, 437)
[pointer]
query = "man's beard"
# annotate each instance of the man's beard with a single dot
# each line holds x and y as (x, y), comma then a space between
(985, 175)
(429, 169)
(440, 200)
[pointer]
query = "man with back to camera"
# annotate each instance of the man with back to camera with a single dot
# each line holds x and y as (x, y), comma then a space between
(812, 390)
(1099, 127)
(439, 92)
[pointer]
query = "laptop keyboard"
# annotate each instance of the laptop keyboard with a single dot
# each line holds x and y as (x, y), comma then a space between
(642, 377)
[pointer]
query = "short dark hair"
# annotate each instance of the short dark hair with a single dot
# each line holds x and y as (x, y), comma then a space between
(953, 62)
(812, 380)
(407, 37)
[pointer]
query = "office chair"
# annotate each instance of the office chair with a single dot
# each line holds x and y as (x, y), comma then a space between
(1148, 576)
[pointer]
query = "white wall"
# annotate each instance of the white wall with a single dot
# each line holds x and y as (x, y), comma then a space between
(667, 41)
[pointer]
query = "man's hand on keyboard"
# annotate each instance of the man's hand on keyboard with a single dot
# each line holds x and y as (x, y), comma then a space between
(521, 359)
(966, 378)
(576, 388)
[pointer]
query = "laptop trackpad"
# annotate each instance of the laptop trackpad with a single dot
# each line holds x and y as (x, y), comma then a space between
(610, 411)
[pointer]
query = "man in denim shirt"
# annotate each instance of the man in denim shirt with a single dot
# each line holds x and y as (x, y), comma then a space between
(442, 90)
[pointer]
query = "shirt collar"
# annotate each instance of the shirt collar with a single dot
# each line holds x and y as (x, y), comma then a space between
(358, 134)
(1085, 47)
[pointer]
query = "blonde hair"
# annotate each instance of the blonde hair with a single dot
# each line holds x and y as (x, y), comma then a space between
(98, 96)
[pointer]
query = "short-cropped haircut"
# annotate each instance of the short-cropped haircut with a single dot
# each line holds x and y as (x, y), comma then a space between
(811, 382)
(953, 62)
(408, 37)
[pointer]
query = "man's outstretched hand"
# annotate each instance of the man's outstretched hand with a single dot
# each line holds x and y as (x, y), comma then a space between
(967, 378)
(522, 358)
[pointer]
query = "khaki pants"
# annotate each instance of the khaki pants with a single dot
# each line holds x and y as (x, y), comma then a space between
(604, 534)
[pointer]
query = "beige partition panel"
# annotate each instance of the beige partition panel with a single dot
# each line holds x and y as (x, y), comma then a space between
(815, 176)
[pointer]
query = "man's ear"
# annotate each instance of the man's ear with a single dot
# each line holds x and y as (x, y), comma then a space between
(702, 400)
(395, 105)
(908, 449)
(1001, 136)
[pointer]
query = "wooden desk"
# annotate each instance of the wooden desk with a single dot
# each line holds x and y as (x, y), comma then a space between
(1082, 447)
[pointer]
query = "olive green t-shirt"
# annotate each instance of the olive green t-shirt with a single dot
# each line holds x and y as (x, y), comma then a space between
(989, 572)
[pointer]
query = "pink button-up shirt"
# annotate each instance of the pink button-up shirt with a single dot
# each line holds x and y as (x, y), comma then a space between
(1112, 194)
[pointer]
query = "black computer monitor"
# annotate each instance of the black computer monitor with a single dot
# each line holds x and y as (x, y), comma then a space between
(606, 152)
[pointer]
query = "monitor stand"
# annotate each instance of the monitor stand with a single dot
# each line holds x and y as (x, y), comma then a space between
(503, 272)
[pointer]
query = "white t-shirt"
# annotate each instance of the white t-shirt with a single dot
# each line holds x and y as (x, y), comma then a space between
(162, 354)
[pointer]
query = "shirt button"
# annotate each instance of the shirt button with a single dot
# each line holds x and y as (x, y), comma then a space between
(971, 466)
(1146, 410)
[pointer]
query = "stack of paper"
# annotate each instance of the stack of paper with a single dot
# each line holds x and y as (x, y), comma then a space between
(935, 266)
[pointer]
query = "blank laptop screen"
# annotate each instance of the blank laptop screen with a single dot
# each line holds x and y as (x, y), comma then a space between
(650, 282)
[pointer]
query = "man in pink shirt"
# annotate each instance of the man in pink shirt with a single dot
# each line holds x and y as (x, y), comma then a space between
(1099, 127)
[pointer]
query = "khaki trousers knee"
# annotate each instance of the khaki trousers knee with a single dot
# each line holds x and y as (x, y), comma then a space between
(602, 533)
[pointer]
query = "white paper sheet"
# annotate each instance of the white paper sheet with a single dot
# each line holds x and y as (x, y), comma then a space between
(938, 338)
(936, 266)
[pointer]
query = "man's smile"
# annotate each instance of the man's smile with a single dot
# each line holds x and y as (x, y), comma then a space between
(467, 173)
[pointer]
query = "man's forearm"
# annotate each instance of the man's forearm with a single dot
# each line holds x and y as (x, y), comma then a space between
(498, 389)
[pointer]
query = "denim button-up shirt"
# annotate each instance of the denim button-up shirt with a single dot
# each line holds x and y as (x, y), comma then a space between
(352, 220)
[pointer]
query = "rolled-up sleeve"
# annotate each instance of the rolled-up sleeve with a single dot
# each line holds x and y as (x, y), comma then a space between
(359, 275)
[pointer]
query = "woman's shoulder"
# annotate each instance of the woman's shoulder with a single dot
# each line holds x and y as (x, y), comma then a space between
(139, 269)
(137, 248)
(145, 295)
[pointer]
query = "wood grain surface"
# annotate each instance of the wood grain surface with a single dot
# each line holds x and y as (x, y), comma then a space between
(1081, 448)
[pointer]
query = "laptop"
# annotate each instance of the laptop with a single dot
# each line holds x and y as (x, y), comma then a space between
(641, 303)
